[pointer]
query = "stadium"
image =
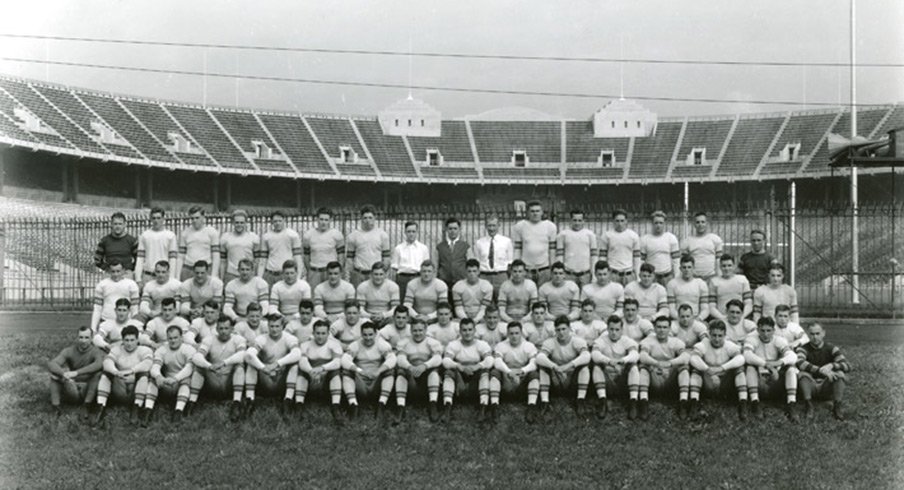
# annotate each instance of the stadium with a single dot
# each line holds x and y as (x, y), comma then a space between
(71, 155)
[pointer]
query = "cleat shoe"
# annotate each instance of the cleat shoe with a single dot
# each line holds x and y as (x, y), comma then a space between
(99, 416)
(836, 411)
(176, 416)
(248, 409)
(353, 411)
(793, 416)
(400, 416)
(682, 409)
(299, 409)
(694, 409)
(336, 413)
(808, 410)
(434, 411)
(378, 414)
(189, 408)
(134, 414)
(530, 415)
(643, 410)
(235, 411)
(757, 410)
(632, 409)
(447, 413)
(286, 409)
(602, 408)
(145, 417)
(482, 414)
(494, 413)
(742, 410)
(87, 412)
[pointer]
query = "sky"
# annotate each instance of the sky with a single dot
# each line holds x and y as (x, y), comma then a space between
(725, 30)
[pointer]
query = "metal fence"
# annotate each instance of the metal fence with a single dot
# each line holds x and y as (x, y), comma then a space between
(48, 263)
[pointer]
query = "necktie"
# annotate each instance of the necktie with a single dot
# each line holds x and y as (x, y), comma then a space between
(492, 255)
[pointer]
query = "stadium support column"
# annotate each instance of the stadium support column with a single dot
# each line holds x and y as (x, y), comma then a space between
(2, 171)
(687, 198)
(792, 268)
(74, 189)
(216, 191)
(855, 229)
(138, 187)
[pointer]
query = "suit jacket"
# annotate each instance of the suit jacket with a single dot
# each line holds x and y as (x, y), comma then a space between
(451, 261)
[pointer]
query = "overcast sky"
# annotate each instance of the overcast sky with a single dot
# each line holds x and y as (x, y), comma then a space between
(762, 30)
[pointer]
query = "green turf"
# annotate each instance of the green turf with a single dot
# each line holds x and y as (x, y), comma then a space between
(37, 450)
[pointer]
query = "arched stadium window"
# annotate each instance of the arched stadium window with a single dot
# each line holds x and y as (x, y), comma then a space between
(638, 124)
(626, 124)
(613, 124)
(422, 123)
(434, 159)
(519, 158)
(607, 158)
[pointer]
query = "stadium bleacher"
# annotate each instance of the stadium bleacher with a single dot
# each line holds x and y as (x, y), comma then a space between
(126, 126)
(453, 145)
(867, 120)
(581, 146)
(245, 130)
(804, 129)
(388, 152)
(295, 139)
(206, 132)
(706, 134)
(334, 133)
(160, 124)
(51, 116)
(520, 173)
(652, 154)
(894, 120)
(449, 172)
(748, 145)
(495, 140)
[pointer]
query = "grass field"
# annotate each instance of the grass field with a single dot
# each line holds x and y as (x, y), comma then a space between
(37, 450)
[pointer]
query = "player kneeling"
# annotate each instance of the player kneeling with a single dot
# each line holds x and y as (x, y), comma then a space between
(615, 367)
(319, 369)
(770, 366)
(272, 362)
(170, 374)
(219, 366)
(663, 367)
(418, 360)
(125, 375)
(367, 365)
(822, 371)
(717, 364)
(467, 362)
(515, 370)
(563, 361)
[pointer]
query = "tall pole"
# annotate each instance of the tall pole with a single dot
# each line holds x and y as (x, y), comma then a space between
(855, 229)
(792, 269)
(687, 195)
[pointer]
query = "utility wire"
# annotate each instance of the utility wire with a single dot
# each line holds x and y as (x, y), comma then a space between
(348, 83)
(430, 54)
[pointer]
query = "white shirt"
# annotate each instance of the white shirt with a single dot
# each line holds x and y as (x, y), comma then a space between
(503, 253)
(407, 257)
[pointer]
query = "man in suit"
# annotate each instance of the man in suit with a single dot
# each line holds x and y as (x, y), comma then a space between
(451, 255)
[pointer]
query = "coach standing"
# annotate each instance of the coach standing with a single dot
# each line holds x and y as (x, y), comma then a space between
(407, 258)
(117, 245)
(451, 255)
(495, 253)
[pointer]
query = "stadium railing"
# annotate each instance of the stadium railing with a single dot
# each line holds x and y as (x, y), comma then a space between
(48, 261)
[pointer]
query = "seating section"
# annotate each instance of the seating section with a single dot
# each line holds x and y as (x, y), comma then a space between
(79, 113)
(867, 120)
(357, 170)
(124, 124)
(38, 106)
(495, 140)
(652, 154)
(806, 129)
(155, 119)
(581, 146)
(274, 165)
(449, 172)
(295, 139)
(243, 128)
(704, 134)
(453, 145)
(8, 121)
(521, 173)
(388, 152)
(749, 143)
(334, 133)
(595, 173)
(691, 171)
(196, 159)
(894, 121)
(206, 132)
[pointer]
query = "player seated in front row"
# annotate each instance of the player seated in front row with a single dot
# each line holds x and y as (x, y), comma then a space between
(563, 362)
(75, 372)
(663, 367)
(515, 371)
(219, 366)
(615, 368)
(319, 369)
(718, 366)
(367, 366)
(770, 367)
(823, 371)
(418, 360)
(125, 375)
(467, 361)
(170, 375)
(272, 361)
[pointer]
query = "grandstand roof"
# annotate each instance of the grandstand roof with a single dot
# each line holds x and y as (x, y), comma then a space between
(476, 149)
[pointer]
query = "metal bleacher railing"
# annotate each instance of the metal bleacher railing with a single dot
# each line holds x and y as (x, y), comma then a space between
(48, 260)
